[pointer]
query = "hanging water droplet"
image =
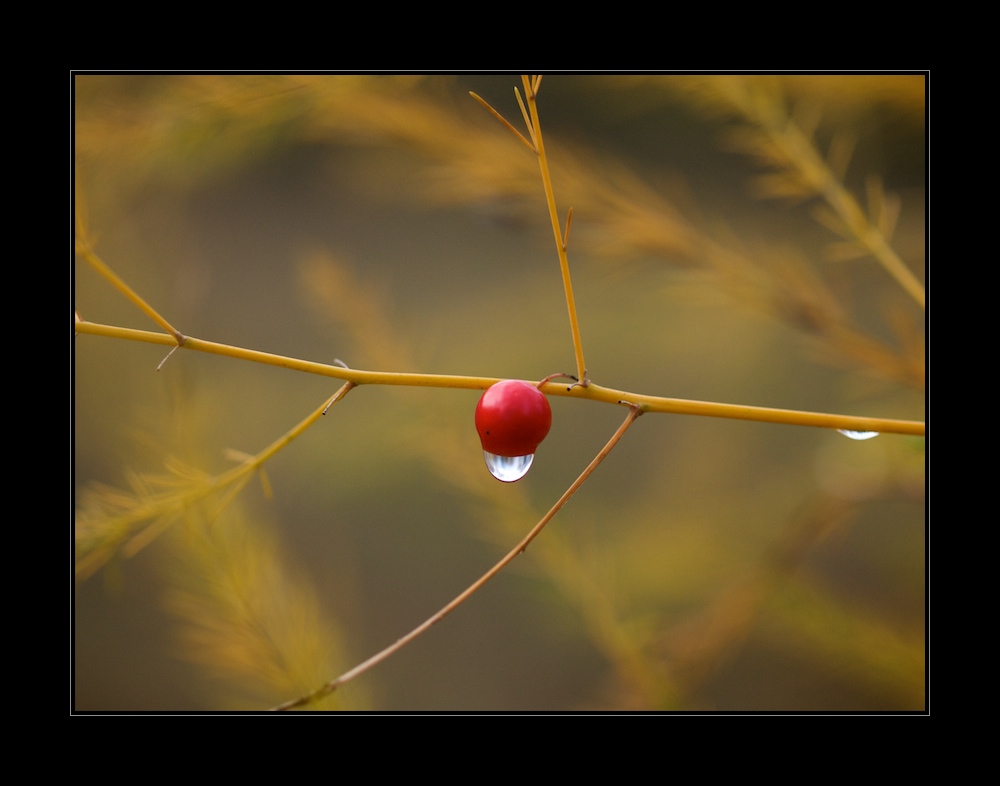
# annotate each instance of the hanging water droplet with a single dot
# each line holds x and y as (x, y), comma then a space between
(508, 468)
(858, 434)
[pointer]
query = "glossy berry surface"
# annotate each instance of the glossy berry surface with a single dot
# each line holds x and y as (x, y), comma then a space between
(512, 418)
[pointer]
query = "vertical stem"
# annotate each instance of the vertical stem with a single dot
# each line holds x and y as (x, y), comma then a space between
(581, 367)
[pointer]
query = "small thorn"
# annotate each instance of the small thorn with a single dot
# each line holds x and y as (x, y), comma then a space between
(553, 376)
(338, 395)
(636, 408)
(569, 221)
(172, 351)
(342, 364)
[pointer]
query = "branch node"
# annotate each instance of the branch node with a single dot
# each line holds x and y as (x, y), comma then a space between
(340, 393)
(637, 409)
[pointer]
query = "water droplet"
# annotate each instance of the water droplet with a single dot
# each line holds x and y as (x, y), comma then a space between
(508, 468)
(858, 434)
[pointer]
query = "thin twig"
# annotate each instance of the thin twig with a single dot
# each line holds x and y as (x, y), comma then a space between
(98, 264)
(550, 199)
(338, 395)
(361, 668)
(84, 248)
(569, 221)
(541, 383)
(172, 351)
(503, 120)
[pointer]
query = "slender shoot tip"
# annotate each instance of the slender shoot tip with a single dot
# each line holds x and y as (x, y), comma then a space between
(503, 120)
(569, 220)
(527, 120)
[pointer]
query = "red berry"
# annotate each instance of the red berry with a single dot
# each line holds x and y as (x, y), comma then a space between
(512, 418)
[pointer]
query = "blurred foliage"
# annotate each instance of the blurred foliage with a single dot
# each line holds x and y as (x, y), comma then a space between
(245, 613)
(389, 221)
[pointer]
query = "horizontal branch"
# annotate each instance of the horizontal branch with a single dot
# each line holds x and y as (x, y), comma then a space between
(593, 392)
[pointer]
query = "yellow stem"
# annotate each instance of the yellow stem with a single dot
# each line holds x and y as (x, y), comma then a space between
(98, 264)
(361, 668)
(581, 367)
(593, 392)
(255, 461)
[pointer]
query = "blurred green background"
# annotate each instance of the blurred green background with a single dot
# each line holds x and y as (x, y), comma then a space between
(392, 223)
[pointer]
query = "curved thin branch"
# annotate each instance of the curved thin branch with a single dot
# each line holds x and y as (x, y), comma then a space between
(361, 668)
